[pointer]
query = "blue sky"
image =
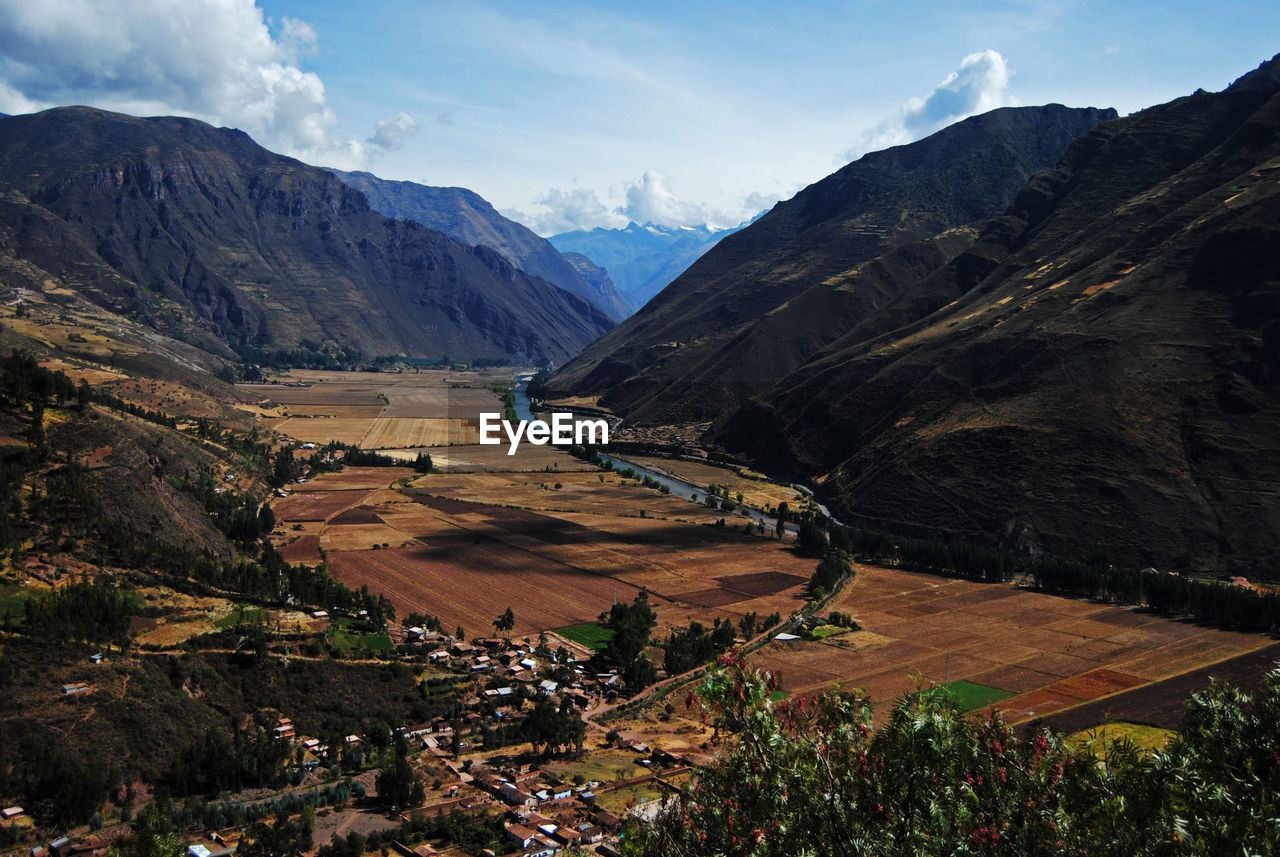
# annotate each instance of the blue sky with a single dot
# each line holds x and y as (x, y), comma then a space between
(588, 114)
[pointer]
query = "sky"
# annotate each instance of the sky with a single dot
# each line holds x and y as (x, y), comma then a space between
(575, 115)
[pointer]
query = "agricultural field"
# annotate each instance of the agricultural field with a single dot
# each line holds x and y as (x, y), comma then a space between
(590, 634)
(558, 556)
(1043, 653)
(377, 410)
(1099, 739)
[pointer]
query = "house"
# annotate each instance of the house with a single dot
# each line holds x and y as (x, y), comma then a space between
(520, 835)
(590, 833)
(10, 812)
(513, 795)
(96, 658)
(606, 819)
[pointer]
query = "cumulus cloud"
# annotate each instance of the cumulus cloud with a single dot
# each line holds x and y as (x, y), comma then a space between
(390, 133)
(215, 60)
(650, 200)
(980, 84)
(646, 200)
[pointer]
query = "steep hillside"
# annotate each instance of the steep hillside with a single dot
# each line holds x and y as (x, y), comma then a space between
(680, 358)
(467, 216)
(1108, 379)
(206, 236)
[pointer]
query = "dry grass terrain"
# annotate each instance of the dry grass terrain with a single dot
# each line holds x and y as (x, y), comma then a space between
(1052, 653)
(376, 410)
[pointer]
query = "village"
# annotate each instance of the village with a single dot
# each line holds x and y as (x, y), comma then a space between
(482, 763)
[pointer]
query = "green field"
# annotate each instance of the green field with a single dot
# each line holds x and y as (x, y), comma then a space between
(591, 635)
(354, 643)
(971, 695)
(242, 616)
(1100, 738)
(823, 631)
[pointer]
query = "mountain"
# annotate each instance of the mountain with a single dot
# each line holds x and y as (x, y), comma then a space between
(1107, 378)
(467, 216)
(207, 237)
(766, 298)
(642, 260)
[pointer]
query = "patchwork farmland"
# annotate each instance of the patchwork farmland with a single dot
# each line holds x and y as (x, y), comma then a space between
(1048, 653)
(558, 556)
(559, 540)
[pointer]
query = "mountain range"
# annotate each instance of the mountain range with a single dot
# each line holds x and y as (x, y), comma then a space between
(1096, 374)
(642, 259)
(205, 236)
(467, 216)
(765, 298)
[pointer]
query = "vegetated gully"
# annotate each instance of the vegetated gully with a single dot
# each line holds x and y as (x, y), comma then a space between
(679, 488)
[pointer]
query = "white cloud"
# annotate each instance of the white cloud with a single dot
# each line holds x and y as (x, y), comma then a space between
(390, 133)
(646, 200)
(215, 60)
(567, 211)
(650, 200)
(979, 85)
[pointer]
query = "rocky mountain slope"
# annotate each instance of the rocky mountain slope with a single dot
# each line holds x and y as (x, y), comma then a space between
(1107, 378)
(467, 216)
(767, 297)
(207, 237)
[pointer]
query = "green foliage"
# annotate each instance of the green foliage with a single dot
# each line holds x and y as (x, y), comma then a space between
(809, 777)
(831, 571)
(97, 612)
(554, 728)
(694, 646)
(216, 762)
(812, 539)
(631, 625)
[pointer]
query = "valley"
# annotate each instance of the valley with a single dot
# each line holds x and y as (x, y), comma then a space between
(937, 513)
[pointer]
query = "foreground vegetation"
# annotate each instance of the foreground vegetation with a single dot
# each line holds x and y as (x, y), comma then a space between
(809, 777)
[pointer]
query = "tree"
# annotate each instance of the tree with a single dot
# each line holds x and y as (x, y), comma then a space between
(936, 781)
(812, 539)
(460, 635)
(395, 782)
(505, 622)
(631, 624)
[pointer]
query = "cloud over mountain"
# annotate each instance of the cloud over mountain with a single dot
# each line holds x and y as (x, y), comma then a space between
(217, 60)
(978, 85)
(647, 199)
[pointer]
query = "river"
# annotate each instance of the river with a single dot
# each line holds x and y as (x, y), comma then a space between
(679, 487)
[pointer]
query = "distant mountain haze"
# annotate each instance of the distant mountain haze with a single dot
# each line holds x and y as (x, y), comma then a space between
(767, 297)
(642, 259)
(1097, 375)
(467, 216)
(204, 235)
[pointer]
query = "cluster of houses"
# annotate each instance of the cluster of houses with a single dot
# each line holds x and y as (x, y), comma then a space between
(497, 657)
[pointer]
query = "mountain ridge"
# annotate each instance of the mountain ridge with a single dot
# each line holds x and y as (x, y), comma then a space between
(469, 217)
(1107, 378)
(652, 367)
(209, 237)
